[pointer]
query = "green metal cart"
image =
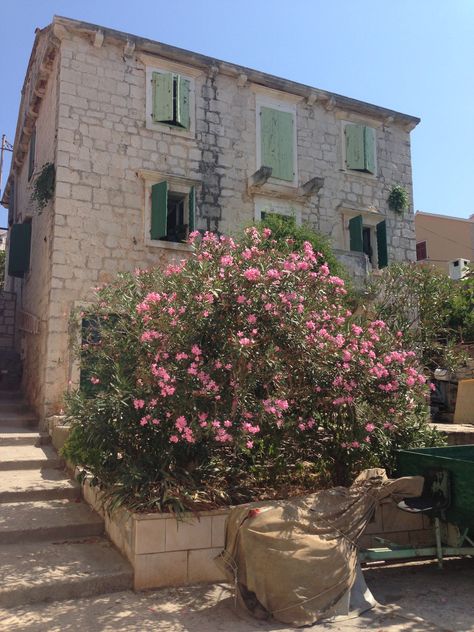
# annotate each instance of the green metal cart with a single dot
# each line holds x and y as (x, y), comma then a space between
(448, 498)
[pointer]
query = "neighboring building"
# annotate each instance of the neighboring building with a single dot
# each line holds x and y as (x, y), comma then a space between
(3, 239)
(150, 141)
(441, 240)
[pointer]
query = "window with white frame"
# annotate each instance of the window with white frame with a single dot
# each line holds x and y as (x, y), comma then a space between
(170, 210)
(359, 148)
(274, 206)
(276, 139)
(170, 97)
(367, 233)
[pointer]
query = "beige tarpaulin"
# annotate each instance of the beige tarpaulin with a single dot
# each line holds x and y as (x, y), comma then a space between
(296, 558)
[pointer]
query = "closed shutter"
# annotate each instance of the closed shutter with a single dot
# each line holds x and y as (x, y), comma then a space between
(355, 143)
(19, 250)
(162, 110)
(369, 149)
(355, 234)
(382, 251)
(192, 209)
(421, 251)
(182, 102)
(277, 137)
(159, 210)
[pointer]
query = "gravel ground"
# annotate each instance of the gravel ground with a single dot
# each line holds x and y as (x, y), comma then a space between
(413, 597)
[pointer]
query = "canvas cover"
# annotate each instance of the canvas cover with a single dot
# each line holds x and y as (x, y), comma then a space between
(295, 559)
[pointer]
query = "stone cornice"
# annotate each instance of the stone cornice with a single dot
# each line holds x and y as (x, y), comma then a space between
(242, 74)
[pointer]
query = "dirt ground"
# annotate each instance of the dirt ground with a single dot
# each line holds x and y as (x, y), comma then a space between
(413, 597)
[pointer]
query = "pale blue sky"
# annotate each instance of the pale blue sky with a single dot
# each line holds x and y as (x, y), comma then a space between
(415, 56)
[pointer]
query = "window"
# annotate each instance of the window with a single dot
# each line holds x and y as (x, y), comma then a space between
(360, 148)
(31, 155)
(172, 212)
(370, 238)
(421, 251)
(274, 206)
(170, 99)
(276, 139)
(19, 250)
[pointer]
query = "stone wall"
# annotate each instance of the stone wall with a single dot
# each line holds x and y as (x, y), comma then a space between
(7, 319)
(105, 149)
(33, 291)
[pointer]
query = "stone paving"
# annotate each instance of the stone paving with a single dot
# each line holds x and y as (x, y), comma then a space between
(417, 597)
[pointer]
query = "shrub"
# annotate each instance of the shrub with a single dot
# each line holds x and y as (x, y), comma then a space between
(419, 301)
(235, 375)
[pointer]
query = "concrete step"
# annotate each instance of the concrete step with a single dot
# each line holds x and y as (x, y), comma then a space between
(18, 420)
(53, 520)
(28, 457)
(31, 573)
(13, 406)
(10, 394)
(32, 485)
(23, 437)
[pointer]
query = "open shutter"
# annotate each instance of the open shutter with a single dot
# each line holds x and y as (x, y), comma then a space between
(369, 149)
(382, 252)
(192, 209)
(162, 111)
(19, 250)
(159, 210)
(182, 102)
(277, 136)
(355, 147)
(355, 233)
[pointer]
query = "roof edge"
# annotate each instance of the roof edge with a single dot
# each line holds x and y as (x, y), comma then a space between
(255, 76)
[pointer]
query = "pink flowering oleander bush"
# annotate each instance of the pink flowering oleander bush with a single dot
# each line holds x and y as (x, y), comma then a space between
(238, 374)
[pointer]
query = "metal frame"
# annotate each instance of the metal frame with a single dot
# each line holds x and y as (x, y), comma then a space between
(394, 551)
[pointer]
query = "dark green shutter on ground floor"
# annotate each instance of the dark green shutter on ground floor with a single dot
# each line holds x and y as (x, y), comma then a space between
(382, 251)
(355, 234)
(159, 210)
(19, 250)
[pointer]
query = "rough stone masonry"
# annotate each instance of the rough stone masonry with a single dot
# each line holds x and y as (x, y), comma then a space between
(86, 98)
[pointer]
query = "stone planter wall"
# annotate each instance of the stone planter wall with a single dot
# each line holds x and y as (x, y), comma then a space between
(166, 552)
(162, 550)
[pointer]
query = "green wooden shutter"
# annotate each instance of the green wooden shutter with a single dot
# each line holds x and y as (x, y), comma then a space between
(369, 149)
(19, 250)
(382, 251)
(277, 136)
(355, 147)
(159, 210)
(192, 209)
(162, 110)
(355, 234)
(182, 102)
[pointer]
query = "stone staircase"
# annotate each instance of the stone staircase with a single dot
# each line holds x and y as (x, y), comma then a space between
(51, 543)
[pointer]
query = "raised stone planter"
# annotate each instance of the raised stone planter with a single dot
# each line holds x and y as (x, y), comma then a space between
(165, 551)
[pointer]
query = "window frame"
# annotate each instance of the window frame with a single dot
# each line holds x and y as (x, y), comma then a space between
(364, 174)
(161, 66)
(282, 106)
(419, 243)
(32, 155)
(177, 185)
(277, 206)
(370, 220)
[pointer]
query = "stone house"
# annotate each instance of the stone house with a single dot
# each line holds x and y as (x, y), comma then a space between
(149, 141)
